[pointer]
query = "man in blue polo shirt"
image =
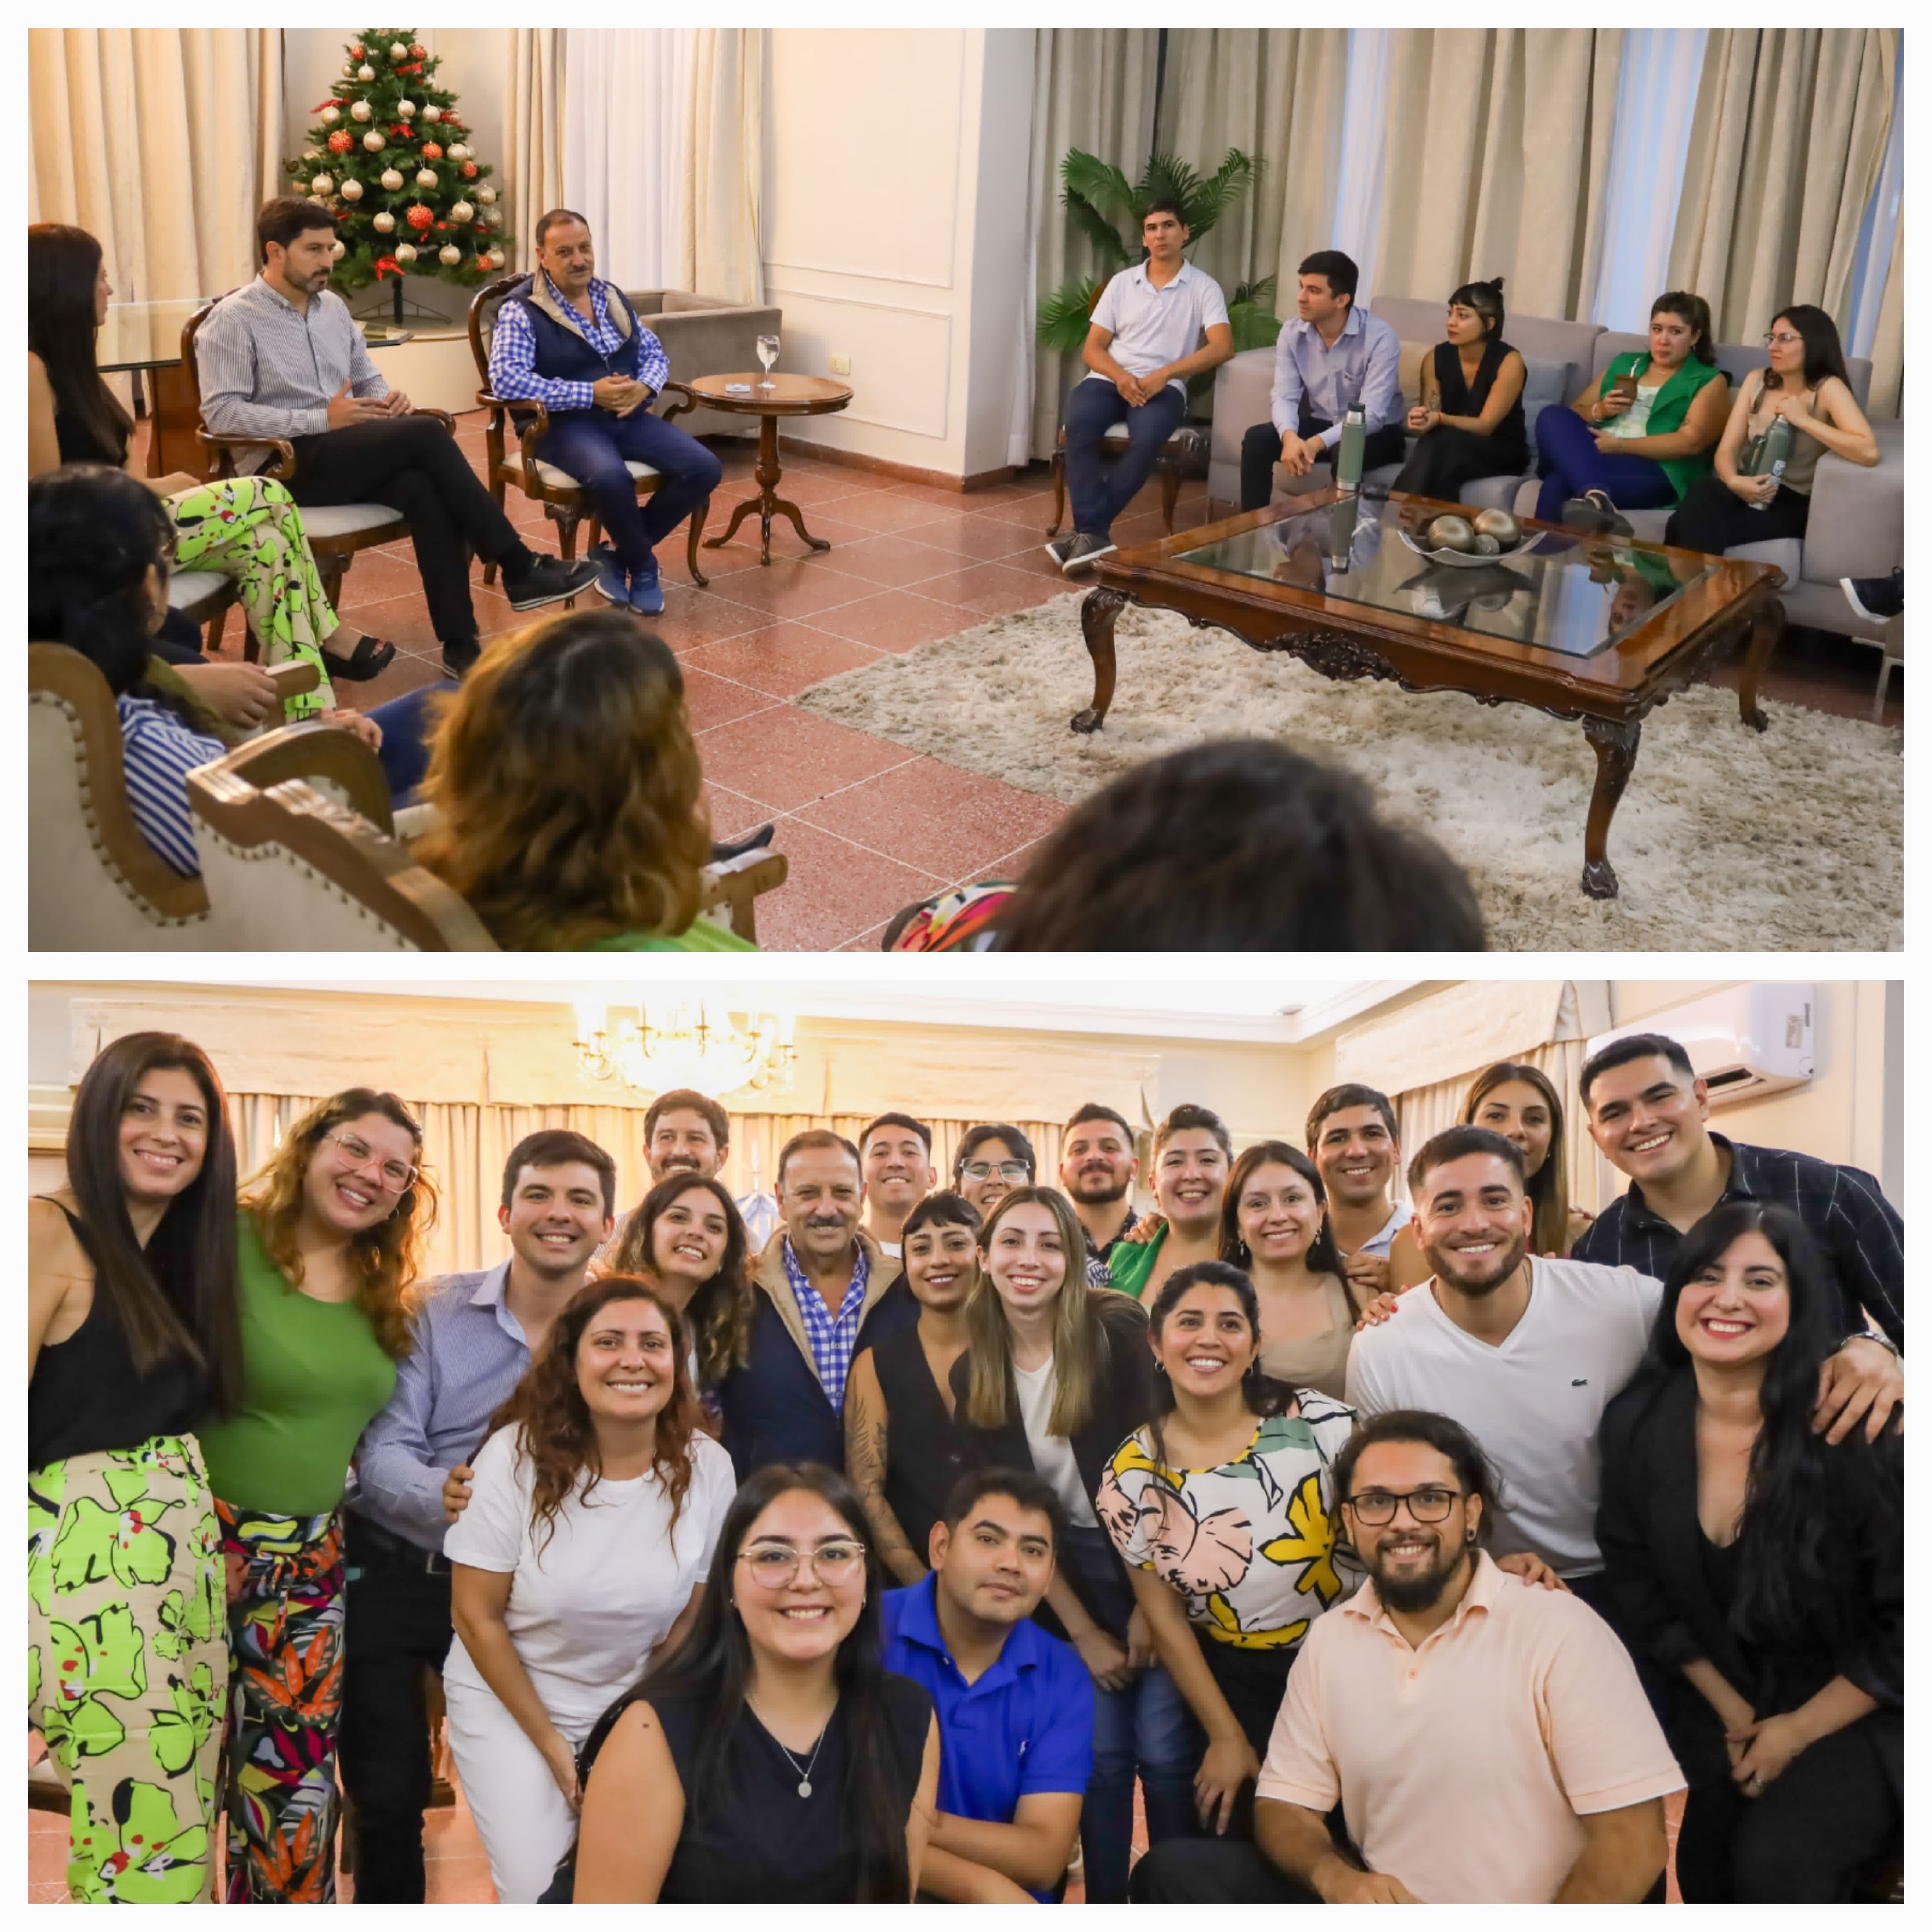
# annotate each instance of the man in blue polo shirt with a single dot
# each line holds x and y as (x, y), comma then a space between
(1016, 1706)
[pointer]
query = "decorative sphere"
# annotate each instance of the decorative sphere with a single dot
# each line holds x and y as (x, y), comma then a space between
(331, 115)
(386, 223)
(404, 252)
(496, 258)
(419, 217)
(365, 72)
(352, 190)
(348, 72)
(322, 184)
(486, 194)
(1499, 524)
(311, 154)
(458, 152)
(462, 211)
(399, 50)
(1448, 533)
(425, 177)
(432, 151)
(406, 108)
(341, 141)
(391, 179)
(1487, 547)
(358, 110)
(449, 255)
(418, 51)
(374, 142)
(340, 248)
(432, 113)
(468, 171)
(359, 50)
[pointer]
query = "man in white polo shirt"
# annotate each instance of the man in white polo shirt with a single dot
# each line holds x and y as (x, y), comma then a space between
(1141, 349)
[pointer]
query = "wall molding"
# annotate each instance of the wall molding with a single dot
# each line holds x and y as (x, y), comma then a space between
(849, 414)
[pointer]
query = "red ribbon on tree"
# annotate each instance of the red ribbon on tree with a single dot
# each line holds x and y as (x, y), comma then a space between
(387, 265)
(412, 67)
(402, 130)
(330, 102)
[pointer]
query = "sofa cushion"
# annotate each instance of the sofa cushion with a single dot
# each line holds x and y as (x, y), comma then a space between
(1408, 370)
(562, 479)
(1546, 380)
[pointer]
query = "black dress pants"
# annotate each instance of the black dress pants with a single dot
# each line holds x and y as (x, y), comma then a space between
(412, 464)
(1445, 459)
(1261, 451)
(1713, 518)
(397, 1620)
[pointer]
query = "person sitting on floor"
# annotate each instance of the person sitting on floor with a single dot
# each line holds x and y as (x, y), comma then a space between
(569, 799)
(1469, 422)
(1808, 385)
(573, 343)
(1642, 433)
(1330, 356)
(1140, 352)
(283, 357)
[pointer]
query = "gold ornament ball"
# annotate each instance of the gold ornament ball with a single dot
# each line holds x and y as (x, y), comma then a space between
(486, 195)
(352, 190)
(358, 110)
(432, 113)
(373, 141)
(406, 108)
(449, 255)
(365, 72)
(425, 177)
(404, 252)
(391, 179)
(496, 258)
(340, 249)
(386, 223)
(348, 72)
(330, 116)
(322, 184)
(458, 152)
(462, 211)
(398, 50)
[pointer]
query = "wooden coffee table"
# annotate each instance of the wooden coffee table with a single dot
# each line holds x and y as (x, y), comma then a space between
(1603, 630)
(788, 396)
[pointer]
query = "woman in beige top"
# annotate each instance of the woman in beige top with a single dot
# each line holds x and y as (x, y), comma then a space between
(1274, 1227)
(1806, 385)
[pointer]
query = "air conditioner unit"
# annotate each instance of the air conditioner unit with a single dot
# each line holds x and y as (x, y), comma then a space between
(1745, 1041)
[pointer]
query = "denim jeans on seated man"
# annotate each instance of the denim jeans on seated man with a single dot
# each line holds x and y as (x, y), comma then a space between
(1100, 489)
(593, 446)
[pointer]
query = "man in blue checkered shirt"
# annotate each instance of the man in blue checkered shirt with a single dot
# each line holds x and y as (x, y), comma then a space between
(566, 340)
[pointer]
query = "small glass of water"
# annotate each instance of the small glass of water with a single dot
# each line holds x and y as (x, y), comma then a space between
(768, 354)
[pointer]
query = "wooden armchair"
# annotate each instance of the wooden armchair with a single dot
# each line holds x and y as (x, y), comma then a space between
(562, 495)
(335, 532)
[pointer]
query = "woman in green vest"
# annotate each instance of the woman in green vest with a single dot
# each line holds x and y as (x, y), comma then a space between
(1643, 432)
(331, 1242)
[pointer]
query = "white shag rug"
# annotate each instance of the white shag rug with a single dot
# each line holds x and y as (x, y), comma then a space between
(1727, 839)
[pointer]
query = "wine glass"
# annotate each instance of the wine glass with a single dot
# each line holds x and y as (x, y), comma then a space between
(768, 354)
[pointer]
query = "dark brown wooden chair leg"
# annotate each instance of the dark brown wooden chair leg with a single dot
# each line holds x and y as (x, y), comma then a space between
(697, 522)
(1169, 466)
(1059, 489)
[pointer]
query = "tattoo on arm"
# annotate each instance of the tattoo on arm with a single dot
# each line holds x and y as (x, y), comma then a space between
(865, 1463)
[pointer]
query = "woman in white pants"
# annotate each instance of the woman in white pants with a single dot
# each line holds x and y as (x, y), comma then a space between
(585, 1547)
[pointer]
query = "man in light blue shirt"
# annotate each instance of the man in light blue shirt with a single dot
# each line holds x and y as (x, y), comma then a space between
(1331, 355)
(1142, 347)
(474, 1338)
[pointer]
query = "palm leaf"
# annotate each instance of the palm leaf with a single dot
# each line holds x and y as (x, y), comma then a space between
(1213, 197)
(1253, 326)
(1061, 322)
(1101, 233)
(1261, 293)
(1166, 177)
(1101, 184)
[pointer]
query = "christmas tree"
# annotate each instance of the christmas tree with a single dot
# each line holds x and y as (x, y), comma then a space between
(388, 157)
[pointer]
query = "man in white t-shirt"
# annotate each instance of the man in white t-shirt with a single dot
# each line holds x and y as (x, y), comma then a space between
(1142, 345)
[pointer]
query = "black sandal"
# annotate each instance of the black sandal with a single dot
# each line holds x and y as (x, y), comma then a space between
(371, 657)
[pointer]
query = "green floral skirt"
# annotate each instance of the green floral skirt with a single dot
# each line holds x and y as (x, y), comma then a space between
(127, 1665)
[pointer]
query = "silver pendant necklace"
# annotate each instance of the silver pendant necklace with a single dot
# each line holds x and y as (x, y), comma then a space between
(805, 1776)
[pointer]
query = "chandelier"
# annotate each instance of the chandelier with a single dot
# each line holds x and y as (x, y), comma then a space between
(684, 1043)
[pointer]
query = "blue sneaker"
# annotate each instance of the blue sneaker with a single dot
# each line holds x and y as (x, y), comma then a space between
(610, 582)
(646, 593)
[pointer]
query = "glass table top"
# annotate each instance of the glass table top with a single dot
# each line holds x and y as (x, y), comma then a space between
(143, 335)
(1556, 593)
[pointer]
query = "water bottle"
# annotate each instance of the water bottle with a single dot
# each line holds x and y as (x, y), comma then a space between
(1348, 457)
(1771, 454)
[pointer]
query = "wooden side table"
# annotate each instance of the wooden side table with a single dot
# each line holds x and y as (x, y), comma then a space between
(788, 396)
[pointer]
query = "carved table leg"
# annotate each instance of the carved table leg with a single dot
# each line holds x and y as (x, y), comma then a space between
(1097, 613)
(1615, 745)
(1765, 632)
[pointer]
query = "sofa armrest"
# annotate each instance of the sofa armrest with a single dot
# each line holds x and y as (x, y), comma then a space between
(1242, 387)
(1857, 524)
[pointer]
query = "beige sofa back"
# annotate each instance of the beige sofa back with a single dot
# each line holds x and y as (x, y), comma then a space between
(704, 336)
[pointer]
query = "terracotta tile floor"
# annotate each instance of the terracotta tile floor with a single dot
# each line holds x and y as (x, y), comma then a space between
(867, 825)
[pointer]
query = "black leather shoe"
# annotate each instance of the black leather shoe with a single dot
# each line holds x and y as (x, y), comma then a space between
(458, 657)
(548, 580)
(724, 850)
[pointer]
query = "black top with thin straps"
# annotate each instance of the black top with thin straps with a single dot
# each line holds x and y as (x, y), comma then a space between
(925, 1452)
(1456, 397)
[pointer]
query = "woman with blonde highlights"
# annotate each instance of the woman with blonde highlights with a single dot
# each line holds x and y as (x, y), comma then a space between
(568, 793)
(584, 1549)
(330, 1241)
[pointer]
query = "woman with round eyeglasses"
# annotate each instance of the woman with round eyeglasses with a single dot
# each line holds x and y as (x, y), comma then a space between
(330, 1244)
(585, 1550)
(992, 1162)
(1520, 1102)
(771, 1759)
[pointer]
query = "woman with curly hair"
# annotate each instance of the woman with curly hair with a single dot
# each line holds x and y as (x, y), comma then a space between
(569, 793)
(584, 1550)
(331, 1243)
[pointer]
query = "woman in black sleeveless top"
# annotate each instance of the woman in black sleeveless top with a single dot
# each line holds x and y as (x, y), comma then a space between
(132, 1334)
(1469, 422)
(904, 1451)
(773, 1760)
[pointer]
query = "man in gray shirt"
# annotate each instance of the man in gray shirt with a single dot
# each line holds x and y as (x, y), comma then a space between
(283, 357)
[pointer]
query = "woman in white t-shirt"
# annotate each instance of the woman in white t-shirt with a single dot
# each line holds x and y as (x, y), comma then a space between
(584, 1549)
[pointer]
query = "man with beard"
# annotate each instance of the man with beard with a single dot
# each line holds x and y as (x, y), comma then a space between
(1192, 1152)
(1488, 1742)
(896, 1151)
(474, 1339)
(1098, 1168)
(1353, 1143)
(685, 1133)
(823, 1289)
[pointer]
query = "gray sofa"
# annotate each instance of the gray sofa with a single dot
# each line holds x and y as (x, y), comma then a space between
(1857, 527)
(702, 336)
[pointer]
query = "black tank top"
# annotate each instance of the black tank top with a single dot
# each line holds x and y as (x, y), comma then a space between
(77, 445)
(925, 1454)
(1460, 398)
(86, 1395)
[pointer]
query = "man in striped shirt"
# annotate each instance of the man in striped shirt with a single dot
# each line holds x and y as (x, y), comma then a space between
(572, 343)
(283, 357)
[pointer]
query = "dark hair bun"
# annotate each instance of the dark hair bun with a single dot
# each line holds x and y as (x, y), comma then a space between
(1497, 284)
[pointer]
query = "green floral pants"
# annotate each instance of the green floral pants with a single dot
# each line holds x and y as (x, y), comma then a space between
(250, 529)
(127, 1665)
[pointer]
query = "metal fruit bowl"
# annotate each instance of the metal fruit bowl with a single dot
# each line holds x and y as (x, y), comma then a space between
(1469, 560)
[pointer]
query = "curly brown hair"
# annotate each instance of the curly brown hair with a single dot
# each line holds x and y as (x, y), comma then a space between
(719, 1314)
(387, 1259)
(547, 1410)
(567, 788)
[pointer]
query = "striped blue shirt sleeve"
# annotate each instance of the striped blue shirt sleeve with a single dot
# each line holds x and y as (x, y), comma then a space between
(513, 372)
(158, 752)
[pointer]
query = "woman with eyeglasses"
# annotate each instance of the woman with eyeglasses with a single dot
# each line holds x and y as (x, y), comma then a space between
(992, 1162)
(1520, 1102)
(1807, 386)
(1054, 1376)
(330, 1245)
(1759, 1568)
(771, 1759)
(596, 1506)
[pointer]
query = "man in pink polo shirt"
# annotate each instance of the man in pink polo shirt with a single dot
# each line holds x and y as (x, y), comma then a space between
(1487, 1740)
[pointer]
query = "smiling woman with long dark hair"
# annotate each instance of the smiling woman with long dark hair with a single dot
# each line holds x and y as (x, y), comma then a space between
(1760, 1569)
(688, 1240)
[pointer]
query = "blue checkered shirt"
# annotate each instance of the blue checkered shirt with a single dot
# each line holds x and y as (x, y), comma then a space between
(831, 1336)
(513, 353)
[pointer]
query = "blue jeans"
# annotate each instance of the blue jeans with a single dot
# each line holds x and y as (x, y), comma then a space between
(405, 722)
(1098, 494)
(594, 446)
(1148, 1728)
(1570, 462)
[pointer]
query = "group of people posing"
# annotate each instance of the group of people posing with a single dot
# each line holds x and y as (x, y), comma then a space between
(1392, 1551)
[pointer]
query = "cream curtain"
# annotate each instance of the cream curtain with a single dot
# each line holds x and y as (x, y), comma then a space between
(625, 143)
(1887, 382)
(161, 142)
(720, 254)
(532, 134)
(1785, 151)
(1497, 163)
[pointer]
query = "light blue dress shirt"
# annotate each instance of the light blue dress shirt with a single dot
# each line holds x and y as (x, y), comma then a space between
(1364, 366)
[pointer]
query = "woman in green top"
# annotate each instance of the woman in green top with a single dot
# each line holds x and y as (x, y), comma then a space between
(331, 1240)
(568, 795)
(1643, 432)
(1191, 1150)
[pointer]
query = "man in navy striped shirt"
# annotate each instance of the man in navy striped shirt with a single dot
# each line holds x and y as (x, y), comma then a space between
(566, 340)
